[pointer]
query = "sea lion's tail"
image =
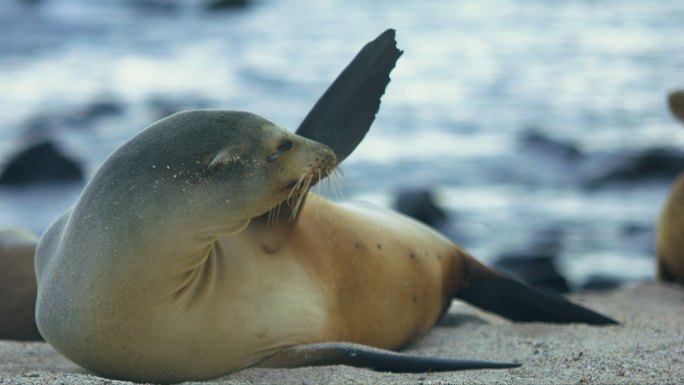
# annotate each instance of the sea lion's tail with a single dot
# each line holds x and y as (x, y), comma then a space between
(362, 356)
(505, 296)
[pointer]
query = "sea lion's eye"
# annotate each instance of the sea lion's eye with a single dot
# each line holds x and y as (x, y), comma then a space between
(284, 146)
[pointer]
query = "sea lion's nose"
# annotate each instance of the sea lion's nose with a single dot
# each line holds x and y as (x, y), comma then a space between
(327, 160)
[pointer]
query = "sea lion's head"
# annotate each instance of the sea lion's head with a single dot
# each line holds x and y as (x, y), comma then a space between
(261, 164)
(220, 167)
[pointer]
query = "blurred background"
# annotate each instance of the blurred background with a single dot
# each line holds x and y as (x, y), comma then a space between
(539, 127)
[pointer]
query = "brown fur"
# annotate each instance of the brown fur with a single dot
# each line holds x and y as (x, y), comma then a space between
(676, 102)
(670, 235)
(17, 286)
(670, 232)
(376, 268)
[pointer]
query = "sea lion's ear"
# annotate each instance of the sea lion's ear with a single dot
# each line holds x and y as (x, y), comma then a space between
(223, 157)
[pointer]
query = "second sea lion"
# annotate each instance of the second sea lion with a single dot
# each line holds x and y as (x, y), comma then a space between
(670, 232)
(17, 285)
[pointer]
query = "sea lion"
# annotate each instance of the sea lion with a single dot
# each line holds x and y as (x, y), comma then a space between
(676, 103)
(183, 259)
(670, 231)
(17, 285)
(670, 235)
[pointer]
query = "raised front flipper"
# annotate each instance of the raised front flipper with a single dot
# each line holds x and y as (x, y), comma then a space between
(367, 357)
(342, 116)
(497, 293)
(344, 113)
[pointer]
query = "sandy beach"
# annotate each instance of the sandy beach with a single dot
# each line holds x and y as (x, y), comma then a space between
(647, 348)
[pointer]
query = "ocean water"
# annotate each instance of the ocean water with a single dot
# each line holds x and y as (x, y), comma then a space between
(474, 78)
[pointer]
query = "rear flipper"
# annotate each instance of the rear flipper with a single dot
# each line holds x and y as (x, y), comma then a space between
(497, 293)
(339, 353)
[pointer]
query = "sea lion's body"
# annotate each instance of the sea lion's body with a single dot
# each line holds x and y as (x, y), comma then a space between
(670, 232)
(670, 235)
(17, 285)
(167, 268)
(134, 281)
(676, 103)
(343, 273)
(369, 265)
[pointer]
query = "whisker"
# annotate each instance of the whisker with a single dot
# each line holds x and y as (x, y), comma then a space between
(294, 192)
(305, 191)
(277, 215)
(327, 185)
(340, 174)
(293, 215)
(271, 216)
(332, 183)
(321, 191)
(300, 199)
(336, 184)
(298, 184)
(317, 188)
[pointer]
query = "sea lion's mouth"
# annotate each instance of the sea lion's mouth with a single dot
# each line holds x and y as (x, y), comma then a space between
(298, 189)
(309, 178)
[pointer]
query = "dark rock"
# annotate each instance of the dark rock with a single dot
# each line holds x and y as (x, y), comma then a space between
(89, 114)
(676, 102)
(600, 283)
(43, 123)
(41, 163)
(220, 5)
(638, 237)
(30, 2)
(420, 205)
(631, 229)
(535, 140)
(102, 109)
(538, 270)
(656, 163)
(547, 241)
(155, 6)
